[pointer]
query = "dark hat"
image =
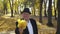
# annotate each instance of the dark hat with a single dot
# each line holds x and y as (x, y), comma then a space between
(26, 10)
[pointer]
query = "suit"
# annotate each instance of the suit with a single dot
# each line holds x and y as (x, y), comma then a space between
(34, 25)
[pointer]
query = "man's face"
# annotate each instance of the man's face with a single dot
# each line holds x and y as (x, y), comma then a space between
(26, 15)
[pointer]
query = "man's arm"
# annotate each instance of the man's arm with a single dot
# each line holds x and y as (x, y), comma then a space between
(17, 29)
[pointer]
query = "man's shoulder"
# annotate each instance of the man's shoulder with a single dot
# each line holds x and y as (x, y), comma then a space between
(32, 19)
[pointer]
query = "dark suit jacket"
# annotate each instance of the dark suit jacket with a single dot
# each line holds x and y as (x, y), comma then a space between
(34, 25)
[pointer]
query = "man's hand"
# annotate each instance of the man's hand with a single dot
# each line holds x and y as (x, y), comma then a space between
(21, 30)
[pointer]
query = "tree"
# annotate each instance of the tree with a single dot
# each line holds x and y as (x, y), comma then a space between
(58, 23)
(11, 6)
(55, 8)
(1, 7)
(45, 2)
(16, 4)
(41, 1)
(5, 6)
(50, 14)
(34, 1)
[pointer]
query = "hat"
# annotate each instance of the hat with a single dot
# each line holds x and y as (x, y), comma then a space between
(26, 10)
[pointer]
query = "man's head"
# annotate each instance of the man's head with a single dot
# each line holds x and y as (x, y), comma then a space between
(26, 13)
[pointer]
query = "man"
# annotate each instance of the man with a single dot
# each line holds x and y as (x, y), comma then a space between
(31, 24)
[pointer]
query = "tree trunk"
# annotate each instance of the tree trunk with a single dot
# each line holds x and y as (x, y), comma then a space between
(58, 23)
(55, 14)
(45, 8)
(11, 12)
(25, 4)
(33, 3)
(41, 1)
(5, 7)
(55, 10)
(34, 10)
(12, 9)
(50, 14)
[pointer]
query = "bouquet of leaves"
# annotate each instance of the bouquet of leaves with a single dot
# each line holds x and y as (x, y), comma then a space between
(22, 23)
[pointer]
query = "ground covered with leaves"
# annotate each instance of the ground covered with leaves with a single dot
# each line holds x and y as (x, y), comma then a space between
(7, 23)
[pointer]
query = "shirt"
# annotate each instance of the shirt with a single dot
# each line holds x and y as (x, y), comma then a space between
(30, 28)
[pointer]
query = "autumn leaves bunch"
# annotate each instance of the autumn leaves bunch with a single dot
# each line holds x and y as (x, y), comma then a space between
(22, 23)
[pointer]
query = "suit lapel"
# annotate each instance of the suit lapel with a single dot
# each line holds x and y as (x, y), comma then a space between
(26, 30)
(34, 28)
(32, 25)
